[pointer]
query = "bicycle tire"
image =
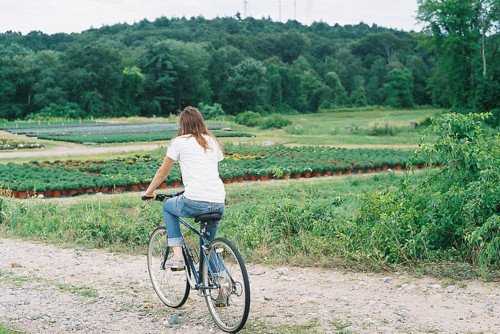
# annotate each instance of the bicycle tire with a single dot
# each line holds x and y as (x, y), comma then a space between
(154, 280)
(245, 285)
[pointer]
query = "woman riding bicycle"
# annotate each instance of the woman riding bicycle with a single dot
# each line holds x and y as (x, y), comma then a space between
(198, 153)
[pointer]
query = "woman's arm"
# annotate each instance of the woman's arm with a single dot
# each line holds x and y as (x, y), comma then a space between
(160, 176)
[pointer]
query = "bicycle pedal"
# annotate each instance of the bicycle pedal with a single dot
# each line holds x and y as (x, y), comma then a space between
(178, 269)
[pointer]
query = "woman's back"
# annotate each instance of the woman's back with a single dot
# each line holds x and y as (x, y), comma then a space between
(199, 168)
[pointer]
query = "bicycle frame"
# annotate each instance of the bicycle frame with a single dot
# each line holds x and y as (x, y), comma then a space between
(192, 270)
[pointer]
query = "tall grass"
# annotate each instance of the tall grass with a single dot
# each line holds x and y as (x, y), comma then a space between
(276, 223)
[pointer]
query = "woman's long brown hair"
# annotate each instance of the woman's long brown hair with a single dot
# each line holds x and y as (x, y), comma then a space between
(191, 123)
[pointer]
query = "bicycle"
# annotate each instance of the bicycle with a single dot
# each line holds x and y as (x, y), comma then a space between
(209, 270)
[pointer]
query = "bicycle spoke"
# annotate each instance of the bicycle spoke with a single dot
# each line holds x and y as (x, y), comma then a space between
(170, 286)
(229, 303)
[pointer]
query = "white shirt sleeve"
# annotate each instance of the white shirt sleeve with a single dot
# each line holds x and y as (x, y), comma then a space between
(173, 151)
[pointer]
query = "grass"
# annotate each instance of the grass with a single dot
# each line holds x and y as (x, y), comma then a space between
(6, 330)
(124, 222)
(346, 127)
(351, 127)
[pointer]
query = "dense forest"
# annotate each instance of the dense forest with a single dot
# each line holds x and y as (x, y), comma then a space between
(155, 68)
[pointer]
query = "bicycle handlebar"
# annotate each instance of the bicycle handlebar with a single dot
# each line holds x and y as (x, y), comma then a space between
(161, 197)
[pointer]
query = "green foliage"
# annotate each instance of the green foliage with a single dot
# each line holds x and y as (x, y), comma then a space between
(465, 40)
(68, 110)
(274, 122)
(211, 111)
(358, 96)
(241, 161)
(452, 214)
(248, 118)
(382, 130)
(399, 88)
(156, 68)
(296, 221)
(245, 88)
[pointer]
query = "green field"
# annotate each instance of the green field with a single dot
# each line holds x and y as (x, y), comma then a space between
(352, 127)
(344, 127)
(242, 161)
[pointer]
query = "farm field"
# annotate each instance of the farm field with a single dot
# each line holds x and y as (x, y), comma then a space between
(99, 133)
(353, 127)
(356, 127)
(242, 162)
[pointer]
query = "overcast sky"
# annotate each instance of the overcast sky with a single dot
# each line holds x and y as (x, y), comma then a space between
(52, 16)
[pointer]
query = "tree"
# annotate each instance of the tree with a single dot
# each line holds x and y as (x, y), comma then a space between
(92, 77)
(462, 33)
(338, 95)
(358, 96)
(399, 88)
(132, 88)
(377, 75)
(221, 62)
(158, 69)
(246, 87)
(190, 62)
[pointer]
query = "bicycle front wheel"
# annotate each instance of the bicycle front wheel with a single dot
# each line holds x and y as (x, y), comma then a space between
(227, 287)
(172, 287)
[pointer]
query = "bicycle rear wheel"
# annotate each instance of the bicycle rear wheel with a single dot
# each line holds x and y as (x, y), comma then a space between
(224, 268)
(171, 287)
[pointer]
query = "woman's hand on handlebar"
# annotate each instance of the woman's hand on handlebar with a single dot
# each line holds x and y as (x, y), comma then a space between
(147, 196)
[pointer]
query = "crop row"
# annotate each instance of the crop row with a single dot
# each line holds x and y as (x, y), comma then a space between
(242, 162)
(31, 124)
(131, 137)
(6, 144)
(96, 129)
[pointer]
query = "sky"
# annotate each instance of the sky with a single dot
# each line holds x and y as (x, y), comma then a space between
(52, 16)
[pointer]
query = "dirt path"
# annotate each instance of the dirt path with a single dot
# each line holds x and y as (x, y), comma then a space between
(47, 289)
(74, 150)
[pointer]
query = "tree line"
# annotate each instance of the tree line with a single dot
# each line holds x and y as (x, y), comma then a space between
(157, 67)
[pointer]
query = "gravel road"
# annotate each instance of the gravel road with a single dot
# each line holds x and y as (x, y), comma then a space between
(48, 289)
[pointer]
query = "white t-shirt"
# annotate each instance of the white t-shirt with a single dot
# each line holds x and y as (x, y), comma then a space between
(199, 168)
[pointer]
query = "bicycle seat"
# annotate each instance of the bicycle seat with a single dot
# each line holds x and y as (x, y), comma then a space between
(208, 217)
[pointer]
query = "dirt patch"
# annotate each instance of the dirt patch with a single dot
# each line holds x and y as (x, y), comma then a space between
(47, 289)
(74, 150)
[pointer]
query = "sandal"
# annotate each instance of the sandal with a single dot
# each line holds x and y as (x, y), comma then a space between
(175, 264)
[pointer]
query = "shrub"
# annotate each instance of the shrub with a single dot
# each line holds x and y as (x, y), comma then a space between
(494, 120)
(382, 130)
(295, 130)
(211, 111)
(67, 110)
(275, 122)
(248, 118)
(452, 214)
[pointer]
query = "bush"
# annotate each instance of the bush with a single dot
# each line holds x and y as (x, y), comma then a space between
(248, 118)
(211, 111)
(494, 120)
(67, 110)
(451, 215)
(295, 130)
(275, 122)
(382, 130)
